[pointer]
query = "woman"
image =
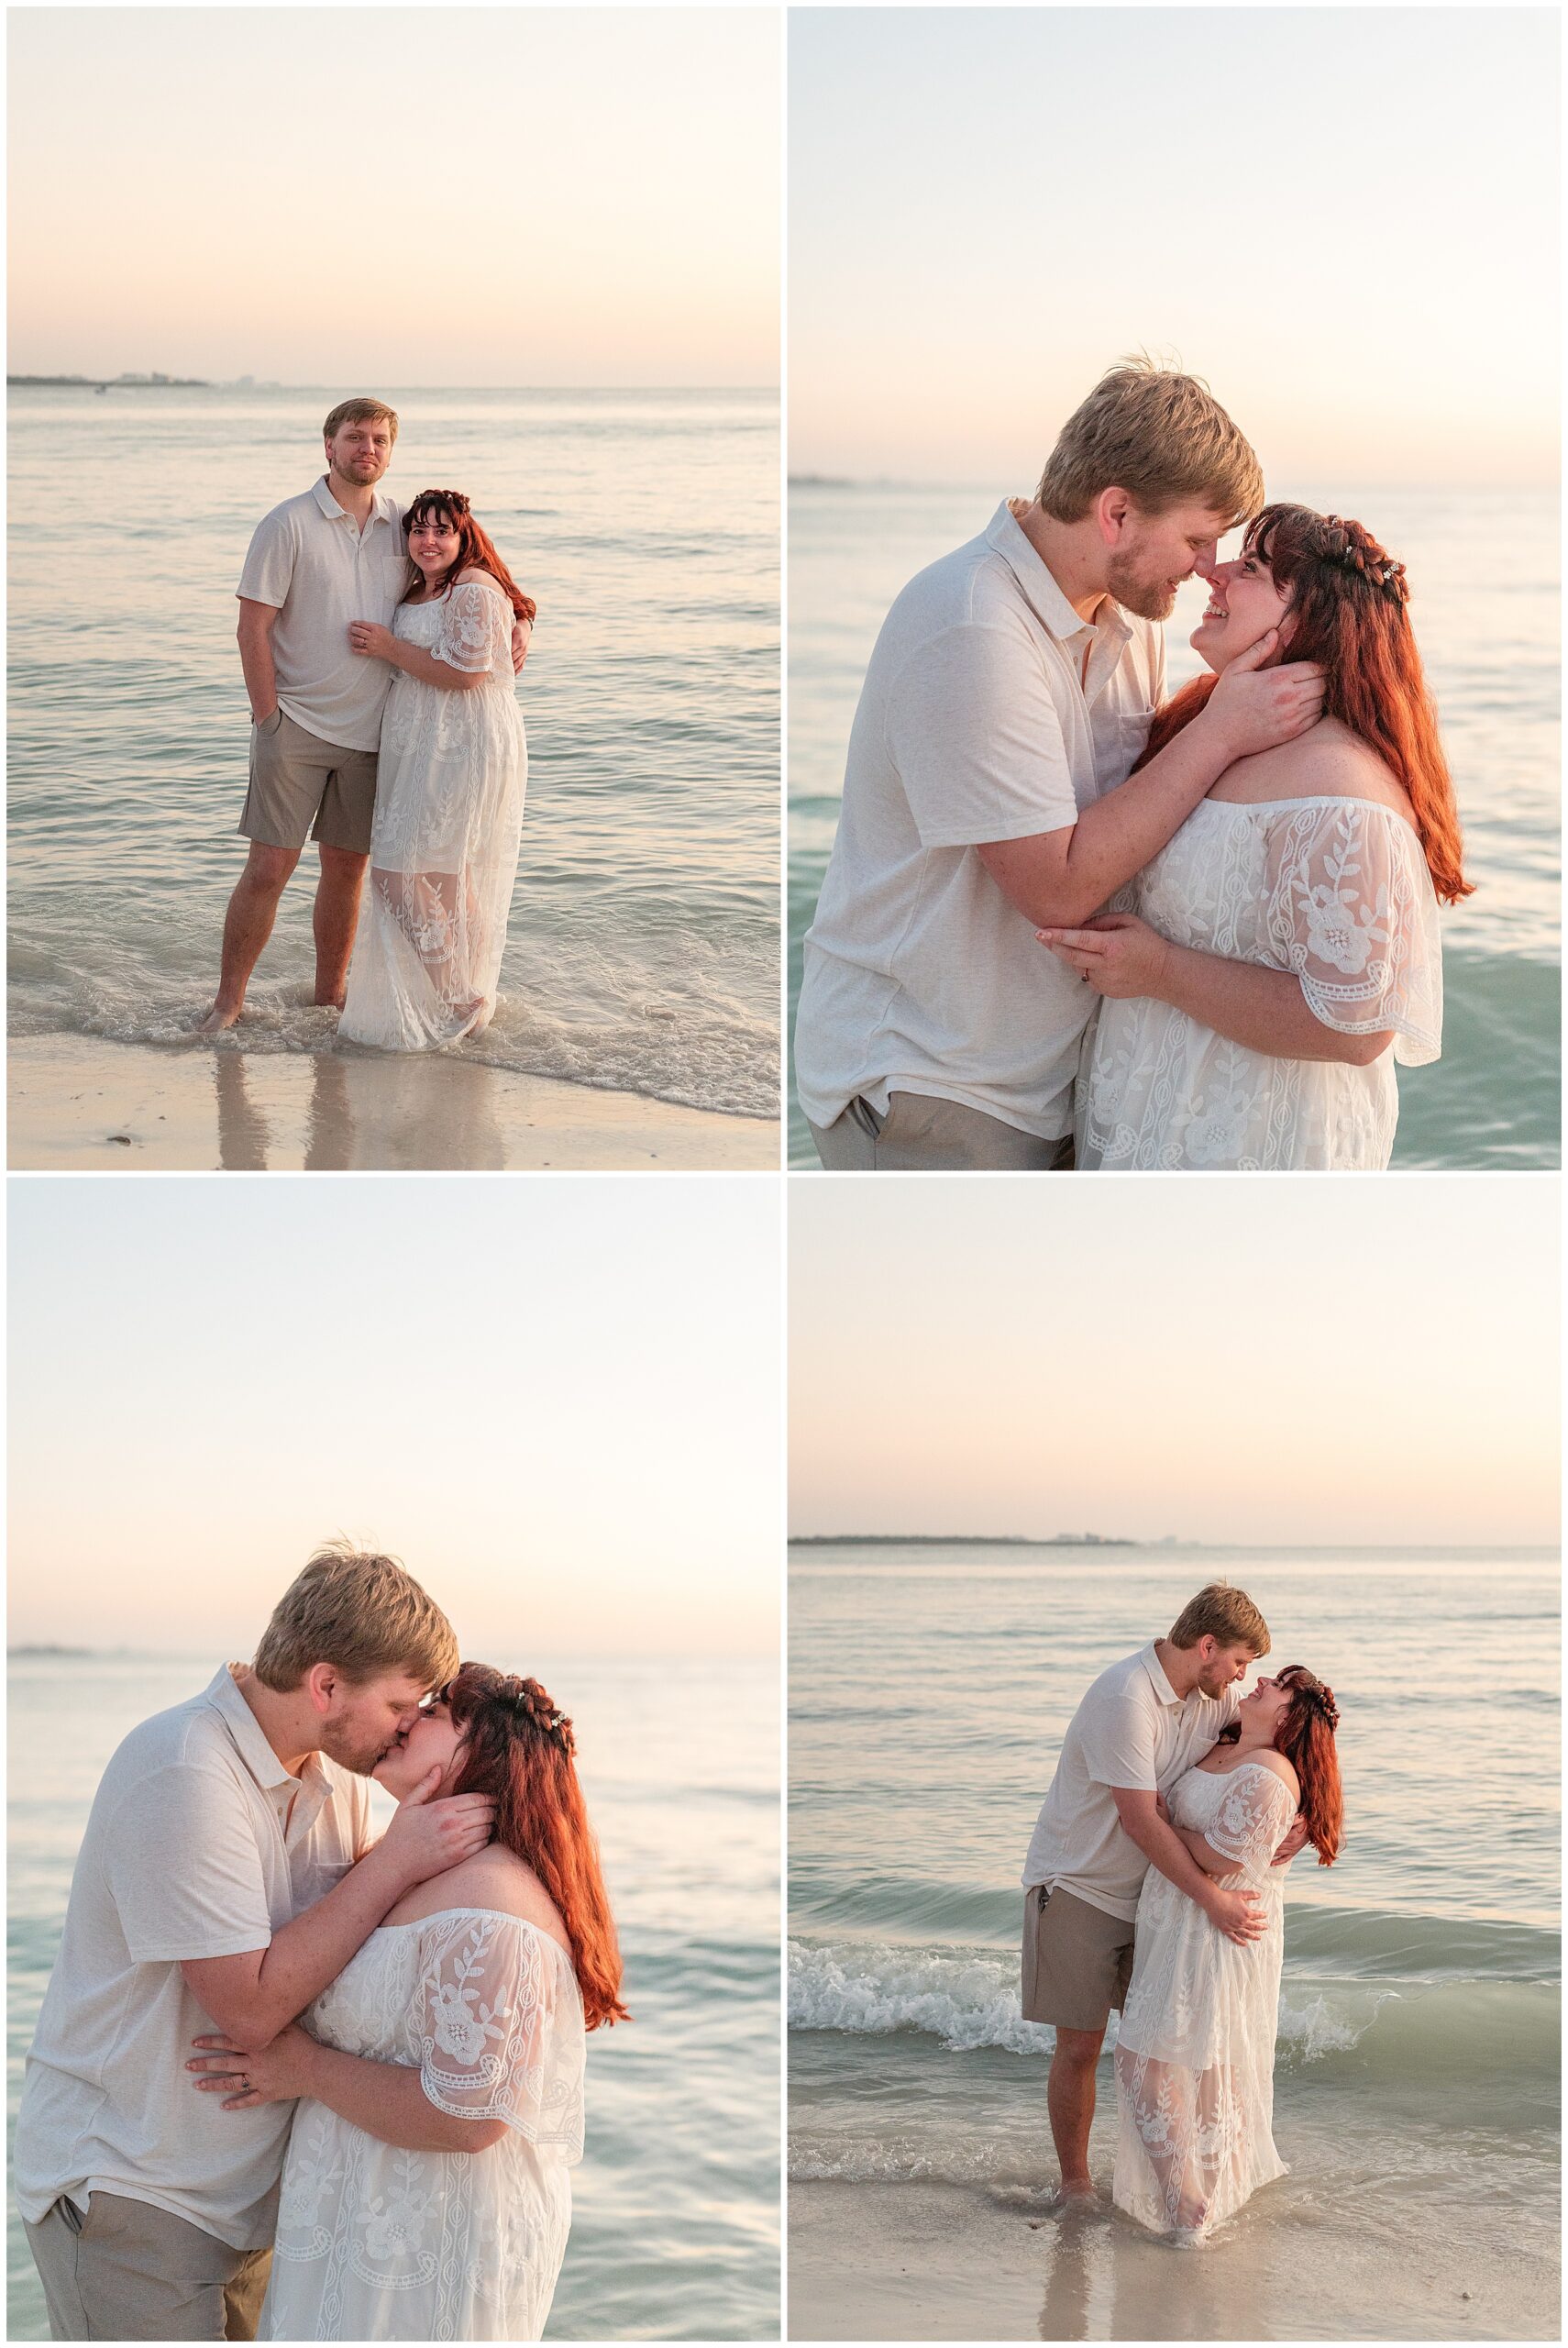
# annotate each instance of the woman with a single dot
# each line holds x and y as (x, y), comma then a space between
(1195, 2051)
(425, 2194)
(451, 775)
(1289, 952)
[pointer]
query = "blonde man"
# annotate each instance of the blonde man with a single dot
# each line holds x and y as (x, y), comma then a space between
(1141, 1726)
(227, 1875)
(986, 792)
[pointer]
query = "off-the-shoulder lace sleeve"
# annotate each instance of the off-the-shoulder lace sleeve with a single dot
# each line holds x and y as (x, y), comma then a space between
(470, 616)
(1354, 911)
(501, 2028)
(1255, 1812)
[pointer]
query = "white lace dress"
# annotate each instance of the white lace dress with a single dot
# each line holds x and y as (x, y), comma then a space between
(450, 779)
(1335, 890)
(375, 2243)
(1195, 2049)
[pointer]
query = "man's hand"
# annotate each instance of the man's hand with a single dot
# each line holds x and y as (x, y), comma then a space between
(426, 1837)
(1117, 953)
(274, 2074)
(1292, 1842)
(522, 630)
(1257, 708)
(1238, 1914)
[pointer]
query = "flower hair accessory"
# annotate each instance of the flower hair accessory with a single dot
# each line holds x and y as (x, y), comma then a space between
(528, 1701)
(1350, 546)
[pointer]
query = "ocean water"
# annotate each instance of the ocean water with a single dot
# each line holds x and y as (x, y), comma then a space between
(1484, 581)
(643, 952)
(675, 2234)
(1417, 2079)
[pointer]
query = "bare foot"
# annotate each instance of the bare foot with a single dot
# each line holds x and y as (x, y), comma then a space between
(219, 1017)
(1071, 2190)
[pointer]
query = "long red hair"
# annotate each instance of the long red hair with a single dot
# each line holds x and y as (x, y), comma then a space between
(1305, 1737)
(519, 1749)
(1347, 611)
(476, 550)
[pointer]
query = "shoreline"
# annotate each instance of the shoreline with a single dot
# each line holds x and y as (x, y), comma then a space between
(82, 1104)
(923, 2261)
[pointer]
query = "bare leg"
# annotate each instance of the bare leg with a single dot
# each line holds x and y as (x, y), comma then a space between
(1070, 2101)
(426, 907)
(335, 919)
(247, 926)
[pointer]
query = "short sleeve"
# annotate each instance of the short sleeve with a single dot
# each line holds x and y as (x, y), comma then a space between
(269, 569)
(1253, 1817)
(1353, 909)
(976, 740)
(501, 2028)
(183, 1864)
(1119, 1747)
(468, 619)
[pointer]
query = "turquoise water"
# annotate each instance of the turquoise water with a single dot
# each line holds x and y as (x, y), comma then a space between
(1483, 574)
(1418, 2067)
(643, 952)
(675, 2234)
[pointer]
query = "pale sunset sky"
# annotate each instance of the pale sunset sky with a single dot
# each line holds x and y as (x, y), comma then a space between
(556, 1401)
(1323, 1361)
(432, 196)
(1343, 219)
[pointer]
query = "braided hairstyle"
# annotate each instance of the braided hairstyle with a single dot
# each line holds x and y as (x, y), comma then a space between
(518, 1748)
(1306, 1737)
(476, 550)
(1347, 599)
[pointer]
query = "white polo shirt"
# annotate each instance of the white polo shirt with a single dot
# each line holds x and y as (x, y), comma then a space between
(1131, 1730)
(186, 1854)
(312, 561)
(977, 721)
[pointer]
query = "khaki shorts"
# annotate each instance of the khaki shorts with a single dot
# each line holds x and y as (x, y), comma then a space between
(294, 779)
(921, 1134)
(1078, 1961)
(128, 2270)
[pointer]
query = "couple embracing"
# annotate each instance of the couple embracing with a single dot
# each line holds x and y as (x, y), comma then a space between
(272, 2042)
(1154, 1884)
(1070, 921)
(380, 649)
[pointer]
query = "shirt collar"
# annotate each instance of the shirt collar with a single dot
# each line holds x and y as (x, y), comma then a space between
(253, 1748)
(383, 510)
(1044, 598)
(1164, 1692)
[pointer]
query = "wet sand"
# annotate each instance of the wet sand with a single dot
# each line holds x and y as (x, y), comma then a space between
(947, 2261)
(77, 1103)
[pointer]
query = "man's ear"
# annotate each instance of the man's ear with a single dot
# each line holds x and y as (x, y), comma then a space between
(1113, 511)
(321, 1684)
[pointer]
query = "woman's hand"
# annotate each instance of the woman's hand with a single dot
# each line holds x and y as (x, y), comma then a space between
(372, 643)
(1161, 1810)
(275, 2075)
(1117, 953)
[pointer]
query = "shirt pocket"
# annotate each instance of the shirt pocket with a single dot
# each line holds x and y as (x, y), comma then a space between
(396, 570)
(1127, 739)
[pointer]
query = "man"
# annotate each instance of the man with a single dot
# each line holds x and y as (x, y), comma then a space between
(316, 563)
(1141, 1726)
(986, 793)
(227, 1875)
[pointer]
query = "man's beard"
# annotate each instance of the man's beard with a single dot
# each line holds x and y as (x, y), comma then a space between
(1146, 598)
(357, 1755)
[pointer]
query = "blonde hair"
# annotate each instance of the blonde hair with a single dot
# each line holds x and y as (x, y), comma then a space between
(359, 412)
(1223, 1614)
(360, 1612)
(1160, 436)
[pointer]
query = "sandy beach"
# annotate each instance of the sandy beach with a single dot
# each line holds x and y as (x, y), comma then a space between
(945, 2262)
(77, 1103)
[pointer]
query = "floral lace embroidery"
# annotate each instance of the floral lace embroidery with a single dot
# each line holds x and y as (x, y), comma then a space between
(1195, 2050)
(1335, 891)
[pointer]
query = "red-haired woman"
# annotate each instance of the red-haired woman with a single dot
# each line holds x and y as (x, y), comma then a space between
(1195, 2049)
(425, 2193)
(450, 779)
(1287, 952)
